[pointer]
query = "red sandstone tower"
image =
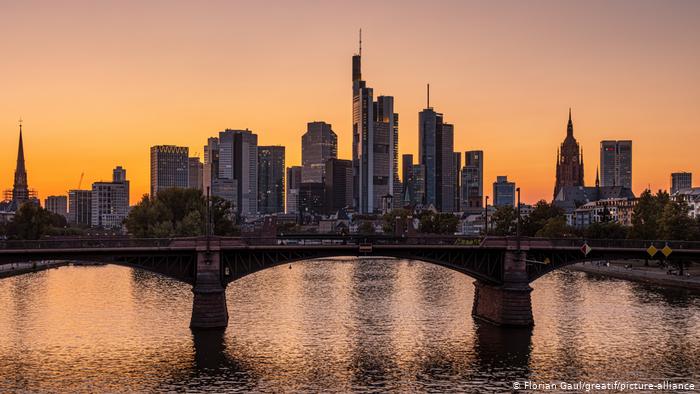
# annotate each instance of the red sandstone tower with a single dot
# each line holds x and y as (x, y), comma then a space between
(569, 161)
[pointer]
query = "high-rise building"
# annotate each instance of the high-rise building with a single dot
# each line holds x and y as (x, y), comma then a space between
(418, 190)
(110, 201)
(195, 173)
(472, 180)
(80, 207)
(338, 185)
(435, 145)
(270, 179)
(211, 164)
(616, 163)
(457, 171)
(238, 170)
(681, 181)
(503, 192)
(569, 161)
(293, 188)
(407, 171)
(311, 198)
(375, 133)
(57, 205)
(318, 145)
(169, 167)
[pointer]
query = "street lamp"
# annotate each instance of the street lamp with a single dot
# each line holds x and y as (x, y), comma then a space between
(517, 223)
(486, 217)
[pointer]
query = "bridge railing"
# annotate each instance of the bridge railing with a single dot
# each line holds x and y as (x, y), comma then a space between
(86, 243)
(622, 243)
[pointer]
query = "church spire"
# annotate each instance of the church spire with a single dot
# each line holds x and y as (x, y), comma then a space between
(597, 179)
(20, 190)
(570, 126)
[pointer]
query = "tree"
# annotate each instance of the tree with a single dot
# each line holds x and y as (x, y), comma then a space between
(366, 227)
(34, 222)
(389, 218)
(504, 220)
(437, 223)
(554, 227)
(647, 213)
(608, 230)
(178, 213)
(675, 224)
(541, 213)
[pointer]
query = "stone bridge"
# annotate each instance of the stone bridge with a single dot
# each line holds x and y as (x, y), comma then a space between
(503, 267)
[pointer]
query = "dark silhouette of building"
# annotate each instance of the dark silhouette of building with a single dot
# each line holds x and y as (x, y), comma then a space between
(569, 161)
(20, 192)
(616, 163)
(472, 180)
(375, 144)
(338, 185)
(271, 179)
(435, 145)
(318, 144)
(681, 181)
(293, 189)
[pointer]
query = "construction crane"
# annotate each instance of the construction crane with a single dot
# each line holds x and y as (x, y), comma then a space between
(80, 182)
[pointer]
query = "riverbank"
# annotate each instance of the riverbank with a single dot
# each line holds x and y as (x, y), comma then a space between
(637, 273)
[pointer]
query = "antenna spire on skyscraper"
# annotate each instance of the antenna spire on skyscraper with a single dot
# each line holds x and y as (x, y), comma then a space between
(360, 42)
(428, 96)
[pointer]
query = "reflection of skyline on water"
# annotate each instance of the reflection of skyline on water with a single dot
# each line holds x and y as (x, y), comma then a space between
(332, 325)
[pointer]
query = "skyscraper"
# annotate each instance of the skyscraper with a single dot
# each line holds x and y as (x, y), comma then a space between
(80, 207)
(270, 179)
(472, 180)
(195, 173)
(318, 144)
(435, 145)
(293, 188)
(407, 170)
(375, 133)
(338, 185)
(169, 167)
(457, 171)
(569, 161)
(680, 181)
(110, 201)
(57, 205)
(418, 189)
(211, 164)
(238, 170)
(503, 192)
(616, 163)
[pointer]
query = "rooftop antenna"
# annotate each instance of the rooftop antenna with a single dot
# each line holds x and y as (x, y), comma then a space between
(428, 95)
(360, 42)
(20, 124)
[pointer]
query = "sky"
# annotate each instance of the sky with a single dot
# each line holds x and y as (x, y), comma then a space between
(97, 83)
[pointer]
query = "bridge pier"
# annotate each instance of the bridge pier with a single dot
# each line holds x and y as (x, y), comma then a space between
(209, 309)
(509, 304)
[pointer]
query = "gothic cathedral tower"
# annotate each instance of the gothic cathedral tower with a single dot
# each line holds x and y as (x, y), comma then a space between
(569, 161)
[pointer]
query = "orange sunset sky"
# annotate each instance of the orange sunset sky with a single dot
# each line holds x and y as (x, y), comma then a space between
(97, 83)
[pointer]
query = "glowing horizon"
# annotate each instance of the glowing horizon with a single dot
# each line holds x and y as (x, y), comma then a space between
(98, 84)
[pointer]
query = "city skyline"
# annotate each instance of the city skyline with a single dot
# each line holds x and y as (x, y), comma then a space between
(63, 111)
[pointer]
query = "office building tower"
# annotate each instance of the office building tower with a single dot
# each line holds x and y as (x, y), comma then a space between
(435, 145)
(57, 205)
(271, 179)
(195, 173)
(311, 198)
(169, 167)
(375, 144)
(338, 185)
(472, 180)
(210, 171)
(569, 161)
(457, 171)
(503, 192)
(318, 145)
(80, 207)
(407, 182)
(237, 179)
(293, 189)
(110, 201)
(418, 189)
(681, 181)
(616, 163)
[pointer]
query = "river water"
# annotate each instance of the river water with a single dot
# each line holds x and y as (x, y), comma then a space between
(342, 325)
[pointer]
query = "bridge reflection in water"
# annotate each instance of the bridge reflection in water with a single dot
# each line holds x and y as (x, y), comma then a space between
(503, 267)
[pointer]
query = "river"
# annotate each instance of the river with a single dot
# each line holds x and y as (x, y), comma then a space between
(339, 325)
